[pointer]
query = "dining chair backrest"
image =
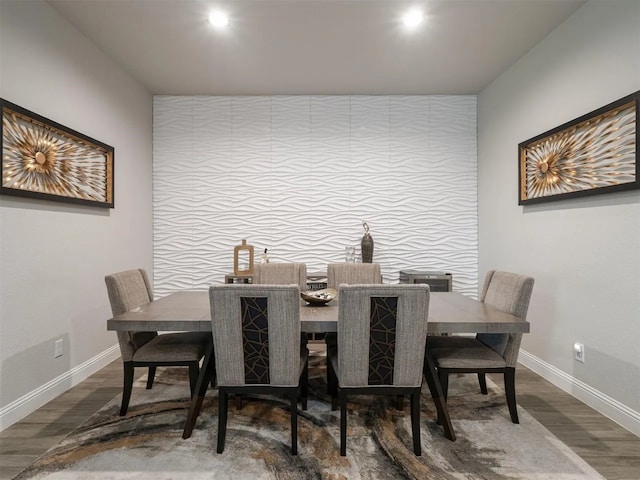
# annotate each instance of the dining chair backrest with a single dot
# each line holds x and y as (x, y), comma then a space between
(510, 292)
(128, 290)
(286, 273)
(349, 273)
(383, 329)
(256, 334)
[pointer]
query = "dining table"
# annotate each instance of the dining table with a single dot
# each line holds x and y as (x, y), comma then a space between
(449, 313)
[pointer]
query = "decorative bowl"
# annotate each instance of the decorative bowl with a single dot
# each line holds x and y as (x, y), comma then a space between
(319, 297)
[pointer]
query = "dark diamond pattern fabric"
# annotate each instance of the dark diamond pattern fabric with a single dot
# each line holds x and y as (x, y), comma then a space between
(382, 339)
(255, 339)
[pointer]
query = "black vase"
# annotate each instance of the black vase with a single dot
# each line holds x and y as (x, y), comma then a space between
(366, 247)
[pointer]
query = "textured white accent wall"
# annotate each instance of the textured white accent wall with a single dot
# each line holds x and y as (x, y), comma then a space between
(299, 174)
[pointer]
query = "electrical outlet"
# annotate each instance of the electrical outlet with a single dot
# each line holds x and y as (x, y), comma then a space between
(58, 348)
(578, 351)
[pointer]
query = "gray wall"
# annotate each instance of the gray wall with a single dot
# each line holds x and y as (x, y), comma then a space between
(299, 174)
(53, 256)
(584, 253)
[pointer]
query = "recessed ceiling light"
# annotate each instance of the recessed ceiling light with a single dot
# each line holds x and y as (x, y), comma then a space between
(218, 19)
(413, 18)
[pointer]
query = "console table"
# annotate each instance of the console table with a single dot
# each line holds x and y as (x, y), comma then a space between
(233, 278)
(437, 281)
(315, 280)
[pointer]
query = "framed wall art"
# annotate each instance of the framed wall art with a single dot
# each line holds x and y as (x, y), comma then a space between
(43, 159)
(593, 154)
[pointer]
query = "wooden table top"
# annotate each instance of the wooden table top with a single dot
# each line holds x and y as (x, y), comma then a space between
(449, 312)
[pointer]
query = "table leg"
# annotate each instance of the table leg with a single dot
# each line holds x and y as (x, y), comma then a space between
(438, 397)
(206, 372)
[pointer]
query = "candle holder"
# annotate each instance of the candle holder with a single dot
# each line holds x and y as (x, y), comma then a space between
(243, 259)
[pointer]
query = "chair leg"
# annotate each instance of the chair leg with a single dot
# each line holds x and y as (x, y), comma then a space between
(150, 377)
(238, 401)
(206, 372)
(332, 387)
(223, 399)
(332, 379)
(482, 380)
(194, 372)
(431, 376)
(400, 402)
(510, 388)
(415, 423)
(443, 378)
(293, 400)
(127, 387)
(304, 386)
(331, 341)
(342, 398)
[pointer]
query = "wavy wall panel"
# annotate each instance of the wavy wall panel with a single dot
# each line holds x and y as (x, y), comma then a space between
(299, 174)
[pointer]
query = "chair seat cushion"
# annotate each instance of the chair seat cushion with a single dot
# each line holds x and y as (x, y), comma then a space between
(462, 352)
(174, 347)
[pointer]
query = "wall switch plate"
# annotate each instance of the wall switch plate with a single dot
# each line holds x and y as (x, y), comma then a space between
(58, 348)
(578, 351)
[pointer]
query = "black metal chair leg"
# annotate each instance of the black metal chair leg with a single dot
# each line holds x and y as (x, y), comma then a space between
(331, 341)
(206, 372)
(194, 371)
(510, 388)
(482, 380)
(443, 380)
(332, 380)
(332, 387)
(438, 399)
(293, 400)
(304, 386)
(127, 387)
(150, 377)
(223, 398)
(342, 398)
(443, 376)
(415, 423)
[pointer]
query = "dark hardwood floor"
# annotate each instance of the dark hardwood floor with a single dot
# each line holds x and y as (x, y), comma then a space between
(607, 447)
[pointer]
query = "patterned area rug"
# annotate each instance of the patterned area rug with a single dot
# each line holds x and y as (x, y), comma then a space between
(146, 444)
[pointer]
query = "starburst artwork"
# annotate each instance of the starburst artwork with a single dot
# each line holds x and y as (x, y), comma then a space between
(43, 159)
(596, 153)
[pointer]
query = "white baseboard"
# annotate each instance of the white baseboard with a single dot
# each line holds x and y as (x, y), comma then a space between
(607, 406)
(35, 399)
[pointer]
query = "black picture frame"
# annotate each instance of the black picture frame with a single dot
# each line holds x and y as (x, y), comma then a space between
(592, 154)
(46, 160)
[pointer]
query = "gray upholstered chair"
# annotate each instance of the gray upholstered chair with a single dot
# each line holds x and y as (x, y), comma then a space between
(487, 352)
(129, 290)
(384, 328)
(352, 274)
(349, 273)
(286, 273)
(256, 333)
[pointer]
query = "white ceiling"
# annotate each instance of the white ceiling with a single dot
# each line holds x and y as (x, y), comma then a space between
(315, 46)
